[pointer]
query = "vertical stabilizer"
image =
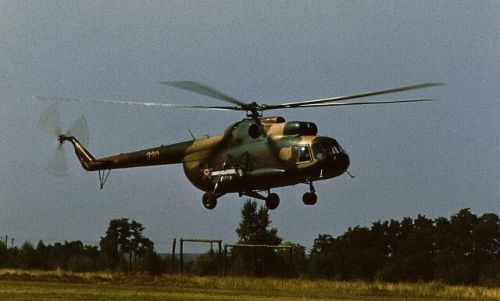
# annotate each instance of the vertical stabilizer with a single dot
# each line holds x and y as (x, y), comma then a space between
(83, 155)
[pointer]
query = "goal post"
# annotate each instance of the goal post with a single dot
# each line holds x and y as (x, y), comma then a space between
(256, 246)
(182, 241)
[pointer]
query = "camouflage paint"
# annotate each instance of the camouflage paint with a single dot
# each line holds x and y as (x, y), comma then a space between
(234, 161)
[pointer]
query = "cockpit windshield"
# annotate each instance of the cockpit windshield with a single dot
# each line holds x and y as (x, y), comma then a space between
(322, 149)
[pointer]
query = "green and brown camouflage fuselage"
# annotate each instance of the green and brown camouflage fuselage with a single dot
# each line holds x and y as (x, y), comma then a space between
(251, 155)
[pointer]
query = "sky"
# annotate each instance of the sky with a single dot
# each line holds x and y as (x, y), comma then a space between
(408, 159)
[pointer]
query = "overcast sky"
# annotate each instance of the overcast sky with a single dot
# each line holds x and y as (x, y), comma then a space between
(430, 158)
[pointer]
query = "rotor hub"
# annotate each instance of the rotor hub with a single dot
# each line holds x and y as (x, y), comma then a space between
(253, 109)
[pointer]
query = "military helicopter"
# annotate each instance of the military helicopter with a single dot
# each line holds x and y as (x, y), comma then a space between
(252, 156)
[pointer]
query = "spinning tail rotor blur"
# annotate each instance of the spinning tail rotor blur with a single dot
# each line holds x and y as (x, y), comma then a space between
(50, 122)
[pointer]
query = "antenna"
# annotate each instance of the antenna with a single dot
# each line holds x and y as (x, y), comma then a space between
(191, 134)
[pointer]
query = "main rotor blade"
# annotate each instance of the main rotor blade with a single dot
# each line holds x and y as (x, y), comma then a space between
(347, 97)
(136, 103)
(203, 90)
(338, 104)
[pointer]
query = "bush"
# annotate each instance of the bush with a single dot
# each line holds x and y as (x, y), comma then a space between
(153, 264)
(206, 264)
(80, 263)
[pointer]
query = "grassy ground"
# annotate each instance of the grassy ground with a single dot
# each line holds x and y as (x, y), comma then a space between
(35, 285)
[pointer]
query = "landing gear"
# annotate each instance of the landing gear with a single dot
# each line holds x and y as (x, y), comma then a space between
(310, 198)
(272, 201)
(209, 200)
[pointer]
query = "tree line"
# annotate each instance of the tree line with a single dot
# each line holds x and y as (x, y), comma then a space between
(122, 248)
(464, 249)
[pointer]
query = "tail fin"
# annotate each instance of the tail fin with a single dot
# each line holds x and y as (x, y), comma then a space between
(51, 123)
(83, 155)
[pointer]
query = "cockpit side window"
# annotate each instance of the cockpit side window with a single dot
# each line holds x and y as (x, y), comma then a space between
(304, 154)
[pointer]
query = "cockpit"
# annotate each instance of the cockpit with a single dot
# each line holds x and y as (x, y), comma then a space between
(324, 148)
(319, 149)
(320, 157)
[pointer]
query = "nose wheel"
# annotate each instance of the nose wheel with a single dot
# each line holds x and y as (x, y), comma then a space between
(209, 200)
(310, 198)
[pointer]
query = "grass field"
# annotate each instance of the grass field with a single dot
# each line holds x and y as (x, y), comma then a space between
(58, 285)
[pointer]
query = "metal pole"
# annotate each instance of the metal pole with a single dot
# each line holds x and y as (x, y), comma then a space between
(182, 256)
(172, 267)
(219, 272)
(224, 262)
(130, 256)
(6, 239)
(254, 264)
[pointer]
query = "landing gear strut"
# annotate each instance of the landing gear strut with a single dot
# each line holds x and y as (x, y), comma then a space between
(310, 198)
(272, 199)
(209, 200)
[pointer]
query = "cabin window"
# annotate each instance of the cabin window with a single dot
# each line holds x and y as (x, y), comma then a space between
(304, 153)
(321, 150)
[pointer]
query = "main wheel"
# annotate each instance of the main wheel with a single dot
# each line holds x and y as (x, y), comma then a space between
(309, 198)
(209, 200)
(272, 201)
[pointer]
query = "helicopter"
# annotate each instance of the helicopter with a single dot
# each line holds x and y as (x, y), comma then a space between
(253, 155)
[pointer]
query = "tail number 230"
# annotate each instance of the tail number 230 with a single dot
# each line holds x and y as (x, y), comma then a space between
(153, 155)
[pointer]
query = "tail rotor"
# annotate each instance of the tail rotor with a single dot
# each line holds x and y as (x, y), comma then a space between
(50, 122)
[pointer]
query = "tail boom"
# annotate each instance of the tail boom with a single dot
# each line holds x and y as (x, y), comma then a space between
(168, 154)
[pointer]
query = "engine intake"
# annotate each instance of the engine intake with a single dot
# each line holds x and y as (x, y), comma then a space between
(303, 128)
(254, 131)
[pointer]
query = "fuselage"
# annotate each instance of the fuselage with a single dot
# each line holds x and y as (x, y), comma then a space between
(248, 156)
(286, 153)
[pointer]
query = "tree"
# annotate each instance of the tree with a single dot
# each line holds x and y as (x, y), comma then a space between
(455, 248)
(153, 263)
(295, 265)
(110, 244)
(254, 229)
(322, 258)
(27, 256)
(359, 254)
(42, 255)
(413, 259)
(487, 239)
(124, 237)
(139, 244)
(6, 258)
(464, 249)
(468, 248)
